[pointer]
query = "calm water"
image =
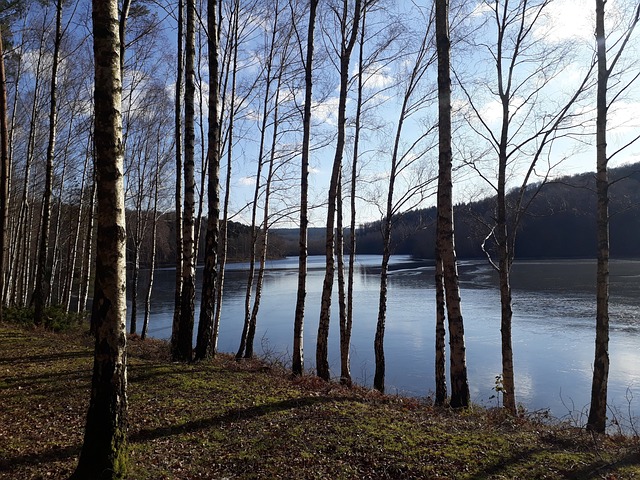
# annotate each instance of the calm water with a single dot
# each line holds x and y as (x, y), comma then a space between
(553, 327)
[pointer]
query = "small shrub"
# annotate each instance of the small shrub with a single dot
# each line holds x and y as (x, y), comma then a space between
(55, 317)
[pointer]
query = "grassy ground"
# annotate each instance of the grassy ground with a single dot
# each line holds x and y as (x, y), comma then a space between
(247, 421)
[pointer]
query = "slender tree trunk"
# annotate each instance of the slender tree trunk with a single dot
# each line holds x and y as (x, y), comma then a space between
(183, 347)
(598, 410)
(76, 239)
(135, 275)
(265, 221)
(103, 454)
(43, 274)
(204, 346)
(298, 323)
(178, 193)
(378, 344)
(154, 242)
(10, 225)
(88, 242)
(225, 214)
(204, 163)
(440, 360)
(345, 338)
(4, 176)
(460, 396)
(347, 42)
(23, 232)
(258, 187)
(345, 335)
(504, 260)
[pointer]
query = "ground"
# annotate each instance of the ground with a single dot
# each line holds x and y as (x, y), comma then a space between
(250, 420)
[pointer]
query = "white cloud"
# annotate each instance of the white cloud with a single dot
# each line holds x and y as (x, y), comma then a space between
(247, 181)
(326, 112)
(482, 8)
(567, 20)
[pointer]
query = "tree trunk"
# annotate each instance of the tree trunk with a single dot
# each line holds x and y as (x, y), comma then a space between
(297, 366)
(43, 273)
(378, 344)
(76, 239)
(205, 347)
(178, 193)
(265, 219)
(135, 275)
(4, 176)
(460, 396)
(182, 348)
(152, 254)
(23, 231)
(223, 230)
(440, 360)
(103, 454)
(598, 410)
(256, 193)
(88, 242)
(347, 42)
(345, 337)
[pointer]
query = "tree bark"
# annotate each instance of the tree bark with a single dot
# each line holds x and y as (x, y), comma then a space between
(178, 192)
(460, 396)
(103, 454)
(345, 337)
(5, 169)
(598, 409)
(205, 346)
(88, 242)
(152, 254)
(182, 349)
(43, 273)
(298, 323)
(440, 360)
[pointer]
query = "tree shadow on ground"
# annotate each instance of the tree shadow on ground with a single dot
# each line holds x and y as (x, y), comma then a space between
(49, 357)
(54, 454)
(234, 415)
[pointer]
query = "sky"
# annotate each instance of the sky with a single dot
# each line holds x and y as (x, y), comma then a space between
(566, 23)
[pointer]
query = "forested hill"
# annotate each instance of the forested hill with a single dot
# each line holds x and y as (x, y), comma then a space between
(559, 223)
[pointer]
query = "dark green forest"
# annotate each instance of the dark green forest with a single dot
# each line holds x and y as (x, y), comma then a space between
(559, 223)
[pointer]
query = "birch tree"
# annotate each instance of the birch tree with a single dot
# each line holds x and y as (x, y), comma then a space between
(606, 70)
(348, 20)
(204, 346)
(447, 285)
(177, 311)
(181, 338)
(298, 323)
(4, 173)
(404, 163)
(528, 69)
(103, 454)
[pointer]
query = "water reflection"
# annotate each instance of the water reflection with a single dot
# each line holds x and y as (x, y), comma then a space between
(553, 330)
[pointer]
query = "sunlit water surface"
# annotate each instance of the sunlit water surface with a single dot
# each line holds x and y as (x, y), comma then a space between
(553, 326)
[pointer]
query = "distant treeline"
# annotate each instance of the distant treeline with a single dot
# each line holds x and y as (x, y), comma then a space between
(559, 223)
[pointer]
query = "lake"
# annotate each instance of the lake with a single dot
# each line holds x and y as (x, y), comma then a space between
(553, 326)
